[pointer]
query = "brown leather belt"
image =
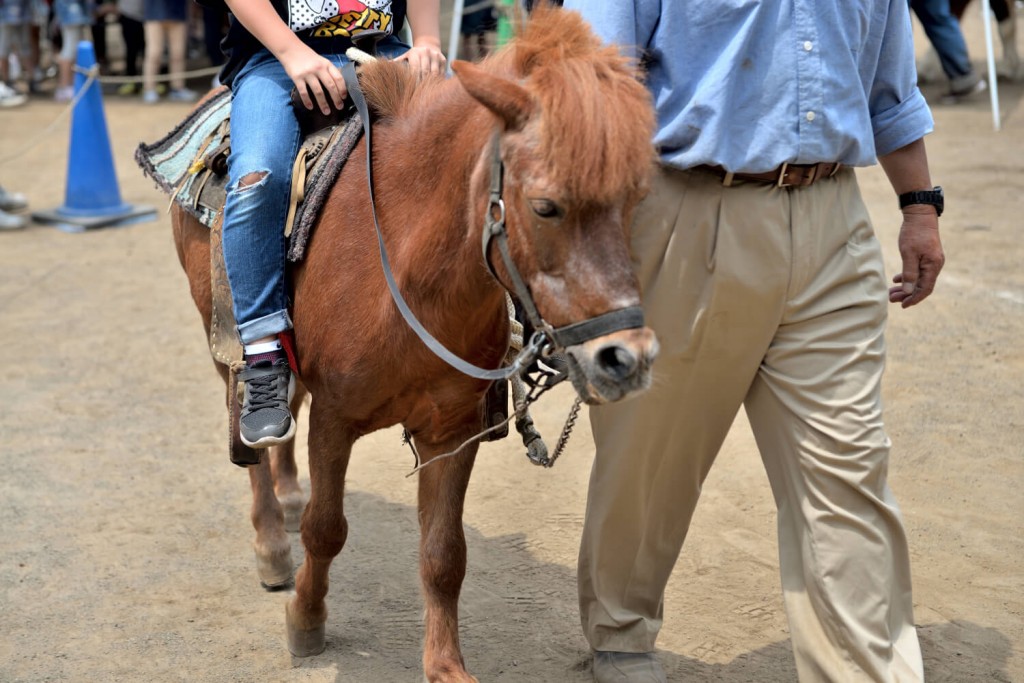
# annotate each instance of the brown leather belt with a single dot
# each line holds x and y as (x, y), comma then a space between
(787, 175)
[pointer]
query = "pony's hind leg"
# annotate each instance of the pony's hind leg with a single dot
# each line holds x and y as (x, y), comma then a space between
(442, 492)
(324, 531)
(286, 475)
(272, 547)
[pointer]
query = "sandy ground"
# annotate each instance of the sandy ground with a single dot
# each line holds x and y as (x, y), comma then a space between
(124, 531)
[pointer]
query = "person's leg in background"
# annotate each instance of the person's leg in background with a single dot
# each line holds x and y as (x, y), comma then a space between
(213, 32)
(74, 20)
(133, 35)
(153, 32)
(943, 31)
(98, 30)
(177, 45)
(36, 34)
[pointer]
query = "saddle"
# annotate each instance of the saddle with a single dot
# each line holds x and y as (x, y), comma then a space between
(190, 164)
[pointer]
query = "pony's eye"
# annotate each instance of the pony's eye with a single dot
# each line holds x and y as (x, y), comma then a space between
(545, 208)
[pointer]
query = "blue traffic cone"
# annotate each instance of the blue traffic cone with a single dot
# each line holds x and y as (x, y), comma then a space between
(91, 196)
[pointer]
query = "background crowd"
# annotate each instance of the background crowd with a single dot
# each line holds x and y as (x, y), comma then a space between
(153, 37)
(38, 40)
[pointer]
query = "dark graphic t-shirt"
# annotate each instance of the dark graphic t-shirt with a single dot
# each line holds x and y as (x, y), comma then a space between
(346, 18)
(324, 25)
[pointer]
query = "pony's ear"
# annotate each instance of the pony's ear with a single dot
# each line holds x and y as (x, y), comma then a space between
(511, 103)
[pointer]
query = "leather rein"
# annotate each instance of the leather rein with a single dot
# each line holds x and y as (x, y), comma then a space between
(545, 339)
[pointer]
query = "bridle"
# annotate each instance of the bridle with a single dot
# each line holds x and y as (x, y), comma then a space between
(627, 318)
(545, 339)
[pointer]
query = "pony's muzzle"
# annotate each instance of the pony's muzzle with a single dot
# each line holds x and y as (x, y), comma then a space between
(614, 366)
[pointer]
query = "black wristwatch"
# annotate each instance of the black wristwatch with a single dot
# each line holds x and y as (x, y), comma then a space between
(932, 196)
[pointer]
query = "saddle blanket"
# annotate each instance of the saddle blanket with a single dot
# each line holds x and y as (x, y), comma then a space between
(189, 164)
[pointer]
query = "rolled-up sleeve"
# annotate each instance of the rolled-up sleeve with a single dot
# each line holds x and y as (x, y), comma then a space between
(899, 113)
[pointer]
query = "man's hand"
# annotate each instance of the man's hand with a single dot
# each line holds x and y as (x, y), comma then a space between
(922, 255)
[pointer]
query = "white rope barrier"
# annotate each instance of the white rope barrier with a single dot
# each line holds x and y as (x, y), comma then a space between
(183, 75)
(91, 76)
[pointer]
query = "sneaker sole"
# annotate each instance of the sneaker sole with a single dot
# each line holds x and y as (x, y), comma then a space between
(268, 441)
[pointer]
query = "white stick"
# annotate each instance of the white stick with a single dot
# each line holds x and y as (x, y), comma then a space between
(986, 18)
(453, 37)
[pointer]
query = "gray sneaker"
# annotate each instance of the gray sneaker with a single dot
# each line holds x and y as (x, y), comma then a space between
(182, 95)
(967, 85)
(627, 667)
(9, 222)
(12, 201)
(266, 419)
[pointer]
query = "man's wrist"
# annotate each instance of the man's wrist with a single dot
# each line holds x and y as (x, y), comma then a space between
(921, 201)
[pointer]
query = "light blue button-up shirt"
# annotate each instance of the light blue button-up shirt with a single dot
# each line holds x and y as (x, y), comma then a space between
(750, 84)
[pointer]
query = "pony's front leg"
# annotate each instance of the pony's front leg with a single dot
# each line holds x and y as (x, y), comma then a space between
(324, 530)
(442, 492)
(272, 548)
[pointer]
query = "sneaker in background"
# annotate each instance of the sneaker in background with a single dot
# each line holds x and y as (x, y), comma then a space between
(64, 93)
(12, 201)
(128, 89)
(965, 86)
(9, 97)
(150, 97)
(183, 95)
(11, 222)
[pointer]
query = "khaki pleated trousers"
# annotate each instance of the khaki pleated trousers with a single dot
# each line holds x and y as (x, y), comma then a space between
(775, 300)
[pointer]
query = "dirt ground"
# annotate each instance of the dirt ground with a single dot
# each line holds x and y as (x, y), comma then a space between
(125, 535)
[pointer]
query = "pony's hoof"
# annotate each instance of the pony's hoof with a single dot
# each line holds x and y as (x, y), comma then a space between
(303, 642)
(293, 504)
(274, 570)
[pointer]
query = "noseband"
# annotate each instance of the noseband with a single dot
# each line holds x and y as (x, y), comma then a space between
(546, 339)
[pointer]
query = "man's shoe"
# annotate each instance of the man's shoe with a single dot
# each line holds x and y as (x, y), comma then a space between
(627, 667)
(266, 419)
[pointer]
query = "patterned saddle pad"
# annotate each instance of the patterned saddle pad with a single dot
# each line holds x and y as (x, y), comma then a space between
(189, 164)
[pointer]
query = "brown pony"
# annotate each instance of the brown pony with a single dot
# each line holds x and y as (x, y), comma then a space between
(574, 128)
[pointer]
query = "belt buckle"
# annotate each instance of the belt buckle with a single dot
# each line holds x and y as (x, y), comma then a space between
(781, 182)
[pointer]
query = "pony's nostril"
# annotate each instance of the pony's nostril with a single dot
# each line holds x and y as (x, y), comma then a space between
(617, 361)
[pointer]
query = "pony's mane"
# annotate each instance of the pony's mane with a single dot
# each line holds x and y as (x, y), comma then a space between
(597, 117)
(598, 120)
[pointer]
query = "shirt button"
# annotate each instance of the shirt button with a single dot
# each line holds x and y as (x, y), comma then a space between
(808, 45)
(810, 116)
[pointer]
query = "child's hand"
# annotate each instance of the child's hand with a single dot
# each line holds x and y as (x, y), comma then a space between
(312, 73)
(425, 57)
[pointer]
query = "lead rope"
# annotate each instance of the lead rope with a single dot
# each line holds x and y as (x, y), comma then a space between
(537, 450)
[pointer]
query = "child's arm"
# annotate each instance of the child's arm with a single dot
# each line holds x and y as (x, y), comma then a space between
(425, 20)
(309, 71)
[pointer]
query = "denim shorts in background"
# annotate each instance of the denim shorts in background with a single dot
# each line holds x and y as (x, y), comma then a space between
(21, 12)
(74, 12)
(165, 10)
